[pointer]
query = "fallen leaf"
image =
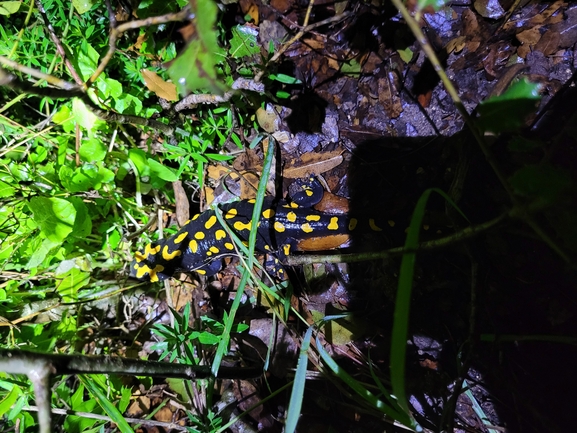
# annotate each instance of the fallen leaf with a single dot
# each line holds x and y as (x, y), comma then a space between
(182, 205)
(161, 88)
(312, 164)
(489, 9)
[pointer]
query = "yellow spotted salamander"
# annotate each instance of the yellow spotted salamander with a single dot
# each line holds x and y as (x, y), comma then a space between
(282, 224)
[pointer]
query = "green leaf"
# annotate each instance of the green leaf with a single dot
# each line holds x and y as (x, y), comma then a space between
(63, 115)
(92, 150)
(8, 8)
(54, 216)
(47, 248)
(243, 42)
(352, 67)
(82, 222)
(85, 118)
(543, 182)
(82, 6)
(285, 79)
(9, 400)
(434, 4)
(72, 282)
(507, 112)
(6, 190)
(194, 68)
(97, 394)
(87, 58)
(162, 171)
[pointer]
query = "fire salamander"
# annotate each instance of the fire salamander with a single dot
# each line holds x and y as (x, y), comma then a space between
(202, 239)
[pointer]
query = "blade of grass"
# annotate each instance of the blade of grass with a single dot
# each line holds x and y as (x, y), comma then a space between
(403, 301)
(108, 407)
(392, 412)
(297, 393)
(225, 338)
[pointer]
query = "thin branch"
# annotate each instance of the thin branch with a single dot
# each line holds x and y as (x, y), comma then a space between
(295, 38)
(168, 426)
(116, 32)
(456, 237)
(58, 43)
(50, 79)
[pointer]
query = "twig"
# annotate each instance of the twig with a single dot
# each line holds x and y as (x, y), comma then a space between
(50, 79)
(40, 367)
(295, 38)
(459, 236)
(168, 426)
(116, 32)
(58, 43)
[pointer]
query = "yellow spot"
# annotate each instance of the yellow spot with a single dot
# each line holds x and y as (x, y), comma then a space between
(169, 256)
(308, 192)
(180, 237)
(373, 226)
(230, 214)
(238, 225)
(278, 227)
(153, 273)
(201, 271)
(286, 249)
(186, 223)
(199, 235)
(141, 272)
(306, 227)
(149, 250)
(219, 234)
(266, 247)
(334, 224)
(215, 250)
(208, 254)
(352, 224)
(229, 246)
(193, 246)
(195, 217)
(252, 201)
(291, 216)
(138, 256)
(268, 213)
(210, 222)
(313, 217)
(291, 205)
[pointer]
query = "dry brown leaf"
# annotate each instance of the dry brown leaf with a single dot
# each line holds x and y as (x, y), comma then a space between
(456, 45)
(489, 8)
(215, 172)
(249, 160)
(549, 43)
(389, 95)
(248, 185)
(267, 119)
(313, 164)
(529, 36)
(164, 414)
(182, 205)
(161, 88)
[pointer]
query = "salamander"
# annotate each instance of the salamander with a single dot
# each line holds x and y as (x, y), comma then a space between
(202, 240)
